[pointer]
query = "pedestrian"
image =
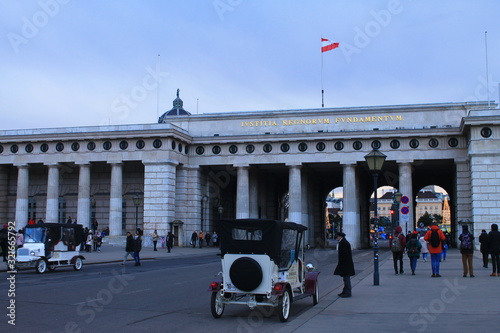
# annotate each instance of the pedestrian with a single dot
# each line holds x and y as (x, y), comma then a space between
(424, 250)
(194, 238)
(20, 238)
(208, 237)
(40, 221)
(137, 247)
(4, 241)
(494, 249)
(95, 224)
(83, 244)
(345, 265)
(397, 245)
(201, 237)
(435, 237)
(467, 250)
(31, 221)
(445, 245)
(98, 241)
(69, 220)
(215, 239)
(413, 250)
(89, 241)
(170, 241)
(129, 247)
(155, 240)
(483, 240)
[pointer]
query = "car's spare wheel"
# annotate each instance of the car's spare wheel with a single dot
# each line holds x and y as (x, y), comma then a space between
(246, 274)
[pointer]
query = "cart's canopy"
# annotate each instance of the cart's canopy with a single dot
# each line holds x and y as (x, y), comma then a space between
(69, 234)
(281, 241)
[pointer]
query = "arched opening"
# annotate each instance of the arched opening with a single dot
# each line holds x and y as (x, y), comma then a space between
(433, 206)
(334, 206)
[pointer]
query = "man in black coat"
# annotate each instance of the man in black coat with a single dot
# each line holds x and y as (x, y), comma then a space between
(345, 266)
(494, 249)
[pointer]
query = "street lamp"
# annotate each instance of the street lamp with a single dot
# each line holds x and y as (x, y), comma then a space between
(137, 203)
(375, 160)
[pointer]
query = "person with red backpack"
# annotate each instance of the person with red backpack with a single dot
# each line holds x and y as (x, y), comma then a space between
(435, 237)
(467, 250)
(397, 246)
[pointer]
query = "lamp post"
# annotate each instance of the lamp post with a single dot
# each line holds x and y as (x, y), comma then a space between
(137, 202)
(375, 160)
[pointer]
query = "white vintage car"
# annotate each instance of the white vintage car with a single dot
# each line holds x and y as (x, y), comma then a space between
(50, 245)
(262, 265)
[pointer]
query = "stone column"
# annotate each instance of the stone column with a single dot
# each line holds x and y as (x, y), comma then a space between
(116, 199)
(22, 196)
(159, 195)
(254, 195)
(242, 193)
(406, 188)
(350, 219)
(52, 213)
(295, 194)
(83, 210)
(182, 203)
(4, 183)
(194, 214)
(464, 197)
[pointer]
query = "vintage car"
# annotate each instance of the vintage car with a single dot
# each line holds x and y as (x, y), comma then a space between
(51, 245)
(262, 265)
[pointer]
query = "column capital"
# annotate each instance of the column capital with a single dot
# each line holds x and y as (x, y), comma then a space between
(22, 165)
(294, 165)
(164, 162)
(52, 165)
(404, 161)
(115, 162)
(83, 163)
(349, 163)
(241, 166)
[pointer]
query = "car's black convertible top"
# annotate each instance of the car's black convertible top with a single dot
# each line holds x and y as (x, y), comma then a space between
(256, 236)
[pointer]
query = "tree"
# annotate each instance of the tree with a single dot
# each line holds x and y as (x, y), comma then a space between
(426, 219)
(438, 218)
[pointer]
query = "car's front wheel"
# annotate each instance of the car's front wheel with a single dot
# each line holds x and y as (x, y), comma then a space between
(78, 264)
(284, 306)
(216, 305)
(41, 266)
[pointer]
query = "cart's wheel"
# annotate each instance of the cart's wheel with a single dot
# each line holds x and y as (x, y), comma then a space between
(78, 264)
(284, 306)
(41, 266)
(316, 294)
(216, 305)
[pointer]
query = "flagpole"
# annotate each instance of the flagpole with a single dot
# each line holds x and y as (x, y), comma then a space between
(158, 88)
(322, 90)
(487, 79)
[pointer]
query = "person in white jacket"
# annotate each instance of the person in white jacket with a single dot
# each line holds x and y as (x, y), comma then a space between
(424, 251)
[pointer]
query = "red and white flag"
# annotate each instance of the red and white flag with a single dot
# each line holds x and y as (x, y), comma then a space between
(327, 45)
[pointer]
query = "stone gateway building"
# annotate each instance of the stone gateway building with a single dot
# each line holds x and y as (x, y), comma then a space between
(187, 172)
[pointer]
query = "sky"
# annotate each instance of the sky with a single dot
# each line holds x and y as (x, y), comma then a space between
(71, 63)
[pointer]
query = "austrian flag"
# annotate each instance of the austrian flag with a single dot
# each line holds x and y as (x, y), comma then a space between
(327, 45)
